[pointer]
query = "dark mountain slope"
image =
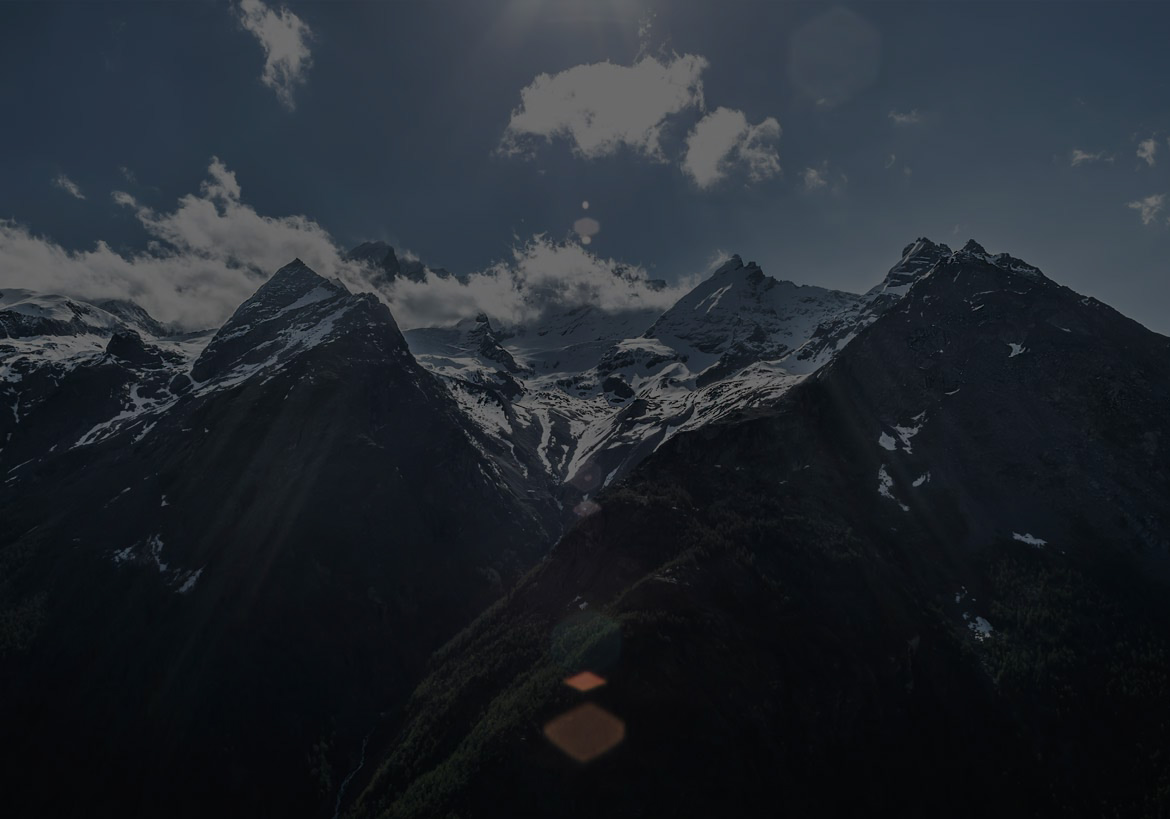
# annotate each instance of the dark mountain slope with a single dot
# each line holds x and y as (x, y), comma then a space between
(932, 582)
(205, 607)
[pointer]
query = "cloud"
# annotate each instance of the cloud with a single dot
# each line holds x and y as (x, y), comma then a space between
(205, 257)
(602, 107)
(911, 118)
(216, 224)
(127, 174)
(212, 250)
(284, 38)
(890, 161)
(813, 179)
(1146, 150)
(68, 185)
(822, 178)
(723, 140)
(543, 277)
(1148, 207)
(1079, 157)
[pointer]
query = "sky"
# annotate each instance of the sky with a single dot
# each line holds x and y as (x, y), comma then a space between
(179, 152)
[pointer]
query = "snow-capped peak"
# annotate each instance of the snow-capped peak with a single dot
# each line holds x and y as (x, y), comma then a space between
(734, 264)
(974, 248)
(917, 258)
(295, 308)
(975, 251)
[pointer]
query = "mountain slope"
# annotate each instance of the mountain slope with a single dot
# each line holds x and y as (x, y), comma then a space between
(585, 395)
(222, 588)
(932, 580)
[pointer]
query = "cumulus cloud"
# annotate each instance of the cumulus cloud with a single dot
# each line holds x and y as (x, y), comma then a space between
(68, 185)
(187, 290)
(724, 140)
(602, 107)
(1149, 207)
(813, 179)
(1146, 150)
(212, 250)
(543, 277)
(821, 178)
(1079, 157)
(205, 257)
(216, 224)
(909, 118)
(285, 40)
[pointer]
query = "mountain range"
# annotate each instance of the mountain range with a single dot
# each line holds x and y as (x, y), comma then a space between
(826, 552)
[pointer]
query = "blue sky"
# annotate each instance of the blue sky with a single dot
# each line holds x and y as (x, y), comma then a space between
(834, 134)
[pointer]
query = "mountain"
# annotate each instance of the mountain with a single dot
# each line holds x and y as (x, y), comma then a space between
(223, 558)
(584, 395)
(740, 316)
(381, 258)
(826, 553)
(68, 367)
(930, 579)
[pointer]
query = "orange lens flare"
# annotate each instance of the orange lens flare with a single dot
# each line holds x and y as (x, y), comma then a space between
(585, 681)
(586, 732)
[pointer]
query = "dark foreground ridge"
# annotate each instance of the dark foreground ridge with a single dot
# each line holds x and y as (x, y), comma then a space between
(933, 581)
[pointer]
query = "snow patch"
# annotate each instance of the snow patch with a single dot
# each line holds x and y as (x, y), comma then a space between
(189, 581)
(1029, 539)
(906, 433)
(980, 628)
(155, 543)
(312, 297)
(885, 484)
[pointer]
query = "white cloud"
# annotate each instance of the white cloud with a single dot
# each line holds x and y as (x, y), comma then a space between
(205, 257)
(725, 139)
(822, 178)
(543, 277)
(813, 179)
(1146, 150)
(891, 160)
(602, 107)
(213, 250)
(127, 174)
(1079, 157)
(910, 118)
(1148, 207)
(189, 290)
(216, 224)
(284, 38)
(68, 185)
